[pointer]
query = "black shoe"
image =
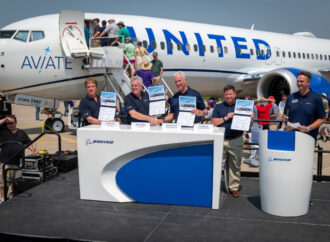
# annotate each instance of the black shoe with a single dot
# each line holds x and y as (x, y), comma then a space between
(320, 138)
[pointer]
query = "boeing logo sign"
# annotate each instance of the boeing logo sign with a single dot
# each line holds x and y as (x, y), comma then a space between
(271, 159)
(98, 141)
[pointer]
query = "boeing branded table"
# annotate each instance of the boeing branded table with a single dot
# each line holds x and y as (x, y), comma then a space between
(286, 172)
(181, 167)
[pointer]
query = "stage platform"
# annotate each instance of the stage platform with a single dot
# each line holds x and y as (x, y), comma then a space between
(53, 210)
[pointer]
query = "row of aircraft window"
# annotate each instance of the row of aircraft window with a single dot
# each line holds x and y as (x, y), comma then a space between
(24, 35)
(289, 54)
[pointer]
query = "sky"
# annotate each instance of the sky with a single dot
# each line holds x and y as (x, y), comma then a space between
(282, 16)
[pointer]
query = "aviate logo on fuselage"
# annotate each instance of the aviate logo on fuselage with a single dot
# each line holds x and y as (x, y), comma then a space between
(262, 48)
(47, 61)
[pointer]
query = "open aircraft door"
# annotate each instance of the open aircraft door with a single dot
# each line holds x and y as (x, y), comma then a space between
(71, 23)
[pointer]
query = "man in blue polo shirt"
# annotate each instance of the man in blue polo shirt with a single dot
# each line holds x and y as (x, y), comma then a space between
(304, 107)
(90, 105)
(137, 104)
(222, 116)
(184, 90)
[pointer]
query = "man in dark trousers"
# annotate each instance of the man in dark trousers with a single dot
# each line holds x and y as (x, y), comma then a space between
(222, 116)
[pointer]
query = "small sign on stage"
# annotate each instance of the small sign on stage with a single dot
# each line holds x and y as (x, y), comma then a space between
(171, 126)
(207, 128)
(140, 126)
(110, 125)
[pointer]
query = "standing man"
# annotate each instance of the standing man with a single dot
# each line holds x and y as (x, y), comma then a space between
(273, 114)
(86, 33)
(122, 34)
(104, 39)
(223, 114)
(305, 107)
(90, 105)
(111, 31)
(157, 68)
(9, 132)
(264, 111)
(184, 90)
(137, 104)
(97, 31)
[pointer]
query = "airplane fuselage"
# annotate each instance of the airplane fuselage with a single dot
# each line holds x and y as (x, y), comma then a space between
(211, 56)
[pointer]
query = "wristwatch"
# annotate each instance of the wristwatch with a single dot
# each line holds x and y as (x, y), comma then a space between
(308, 129)
(225, 118)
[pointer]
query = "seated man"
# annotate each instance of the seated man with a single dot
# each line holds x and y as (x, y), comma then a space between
(137, 104)
(90, 105)
(9, 132)
(184, 90)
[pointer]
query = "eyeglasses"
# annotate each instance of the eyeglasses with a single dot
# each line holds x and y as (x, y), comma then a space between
(10, 123)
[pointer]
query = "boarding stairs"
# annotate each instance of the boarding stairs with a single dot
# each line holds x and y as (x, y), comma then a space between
(107, 60)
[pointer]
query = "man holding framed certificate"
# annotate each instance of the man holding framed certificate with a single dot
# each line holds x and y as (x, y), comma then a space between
(223, 115)
(186, 103)
(137, 104)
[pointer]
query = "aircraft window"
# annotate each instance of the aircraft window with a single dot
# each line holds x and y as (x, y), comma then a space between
(303, 55)
(195, 47)
(37, 35)
(283, 53)
(268, 52)
(145, 44)
(257, 51)
(225, 49)
(162, 45)
(294, 55)
(22, 35)
(299, 55)
(187, 47)
(211, 48)
(307, 56)
(329, 57)
(178, 45)
(316, 56)
(251, 51)
(325, 57)
(170, 45)
(262, 53)
(320, 57)
(312, 55)
(154, 45)
(289, 54)
(218, 49)
(239, 51)
(277, 53)
(7, 34)
(204, 48)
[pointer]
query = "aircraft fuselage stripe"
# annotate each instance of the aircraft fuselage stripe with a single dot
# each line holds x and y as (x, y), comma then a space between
(96, 75)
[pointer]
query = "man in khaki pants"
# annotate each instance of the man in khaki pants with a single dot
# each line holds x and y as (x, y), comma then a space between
(222, 116)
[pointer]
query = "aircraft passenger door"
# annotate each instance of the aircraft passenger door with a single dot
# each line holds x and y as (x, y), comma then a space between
(72, 36)
(277, 56)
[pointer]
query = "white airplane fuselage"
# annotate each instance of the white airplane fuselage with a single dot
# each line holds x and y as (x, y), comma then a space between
(28, 68)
